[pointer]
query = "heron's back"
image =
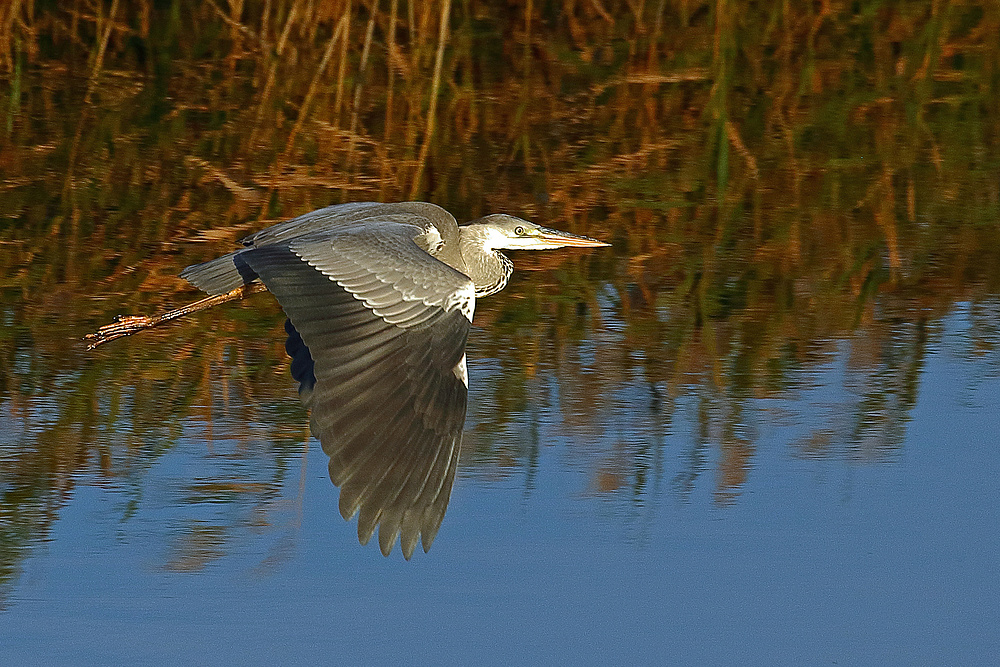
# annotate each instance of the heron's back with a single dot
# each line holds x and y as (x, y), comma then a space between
(226, 273)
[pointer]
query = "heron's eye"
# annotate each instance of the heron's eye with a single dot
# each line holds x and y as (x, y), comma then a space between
(519, 231)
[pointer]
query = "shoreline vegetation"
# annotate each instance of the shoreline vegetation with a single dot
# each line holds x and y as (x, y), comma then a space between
(783, 182)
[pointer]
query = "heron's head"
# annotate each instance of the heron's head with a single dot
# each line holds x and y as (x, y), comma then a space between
(505, 232)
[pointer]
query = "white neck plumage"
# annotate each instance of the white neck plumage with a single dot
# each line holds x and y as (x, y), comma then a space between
(488, 268)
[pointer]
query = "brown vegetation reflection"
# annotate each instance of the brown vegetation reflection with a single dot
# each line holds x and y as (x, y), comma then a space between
(782, 181)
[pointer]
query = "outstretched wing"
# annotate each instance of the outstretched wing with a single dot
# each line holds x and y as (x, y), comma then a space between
(228, 272)
(384, 325)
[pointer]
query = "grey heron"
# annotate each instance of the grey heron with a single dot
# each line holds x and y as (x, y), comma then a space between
(379, 299)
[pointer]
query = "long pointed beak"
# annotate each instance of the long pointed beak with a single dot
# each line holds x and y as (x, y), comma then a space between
(560, 239)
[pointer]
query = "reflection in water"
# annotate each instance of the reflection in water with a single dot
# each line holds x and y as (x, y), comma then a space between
(790, 192)
(380, 299)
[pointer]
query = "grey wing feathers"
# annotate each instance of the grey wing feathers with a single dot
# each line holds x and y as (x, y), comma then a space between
(228, 272)
(387, 403)
(330, 217)
(380, 264)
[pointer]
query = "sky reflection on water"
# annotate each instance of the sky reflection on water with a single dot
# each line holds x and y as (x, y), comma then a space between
(818, 559)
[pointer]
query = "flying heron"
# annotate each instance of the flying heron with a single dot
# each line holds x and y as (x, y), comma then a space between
(379, 299)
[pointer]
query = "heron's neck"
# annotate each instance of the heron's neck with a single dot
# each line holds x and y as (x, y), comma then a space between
(488, 269)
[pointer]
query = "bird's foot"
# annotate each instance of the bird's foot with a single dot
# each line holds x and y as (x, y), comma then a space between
(124, 325)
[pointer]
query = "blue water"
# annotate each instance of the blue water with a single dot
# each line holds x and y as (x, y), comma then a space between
(859, 556)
